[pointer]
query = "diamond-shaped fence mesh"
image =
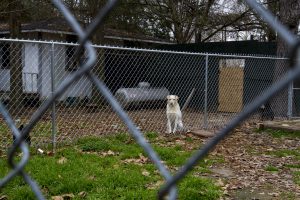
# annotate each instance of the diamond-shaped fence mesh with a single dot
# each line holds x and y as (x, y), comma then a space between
(212, 89)
(48, 88)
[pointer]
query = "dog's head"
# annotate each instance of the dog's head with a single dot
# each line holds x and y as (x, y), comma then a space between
(172, 100)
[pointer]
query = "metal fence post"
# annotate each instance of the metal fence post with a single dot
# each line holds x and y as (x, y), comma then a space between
(205, 93)
(290, 101)
(53, 112)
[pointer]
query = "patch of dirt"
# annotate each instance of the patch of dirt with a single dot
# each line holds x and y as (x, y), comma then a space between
(75, 122)
(222, 172)
(247, 155)
(259, 194)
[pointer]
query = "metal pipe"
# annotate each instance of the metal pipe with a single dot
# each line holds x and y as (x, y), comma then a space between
(205, 93)
(146, 50)
(290, 101)
(53, 112)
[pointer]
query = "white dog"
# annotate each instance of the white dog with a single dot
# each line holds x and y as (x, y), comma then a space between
(174, 115)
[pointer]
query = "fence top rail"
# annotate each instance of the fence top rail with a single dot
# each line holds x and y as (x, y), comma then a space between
(242, 56)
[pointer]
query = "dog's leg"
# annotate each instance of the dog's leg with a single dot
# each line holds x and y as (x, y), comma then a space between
(169, 126)
(175, 125)
(179, 122)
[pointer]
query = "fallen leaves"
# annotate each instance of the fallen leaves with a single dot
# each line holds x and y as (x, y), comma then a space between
(50, 153)
(62, 160)
(82, 194)
(3, 197)
(69, 196)
(139, 161)
(247, 154)
(274, 194)
(220, 182)
(102, 153)
(109, 153)
(154, 186)
(63, 197)
(91, 177)
(57, 198)
(145, 173)
(180, 142)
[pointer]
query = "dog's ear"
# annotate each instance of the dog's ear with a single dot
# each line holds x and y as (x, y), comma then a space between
(168, 97)
(177, 97)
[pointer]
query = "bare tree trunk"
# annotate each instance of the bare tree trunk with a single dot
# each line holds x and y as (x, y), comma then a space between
(16, 83)
(289, 12)
(273, 7)
(198, 29)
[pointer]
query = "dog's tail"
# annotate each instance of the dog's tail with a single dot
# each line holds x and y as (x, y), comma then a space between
(181, 127)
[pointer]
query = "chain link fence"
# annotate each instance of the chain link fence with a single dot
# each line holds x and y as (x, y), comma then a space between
(43, 87)
(211, 88)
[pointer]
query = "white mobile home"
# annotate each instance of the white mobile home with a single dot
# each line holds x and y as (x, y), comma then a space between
(43, 64)
(36, 56)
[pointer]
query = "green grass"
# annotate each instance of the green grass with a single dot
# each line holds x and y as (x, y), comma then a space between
(294, 166)
(5, 131)
(41, 132)
(271, 168)
(85, 168)
(297, 177)
(295, 153)
(151, 135)
(288, 195)
(286, 152)
(282, 134)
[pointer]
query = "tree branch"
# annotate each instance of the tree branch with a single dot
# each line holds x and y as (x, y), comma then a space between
(226, 25)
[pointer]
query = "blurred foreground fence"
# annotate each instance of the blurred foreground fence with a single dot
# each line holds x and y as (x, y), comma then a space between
(219, 86)
(66, 88)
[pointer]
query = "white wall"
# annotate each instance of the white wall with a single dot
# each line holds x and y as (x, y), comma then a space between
(79, 88)
(44, 71)
(30, 67)
(4, 80)
(36, 61)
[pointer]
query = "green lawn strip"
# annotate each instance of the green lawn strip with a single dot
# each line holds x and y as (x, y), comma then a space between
(292, 166)
(4, 130)
(295, 153)
(198, 188)
(40, 135)
(83, 168)
(296, 175)
(288, 196)
(281, 133)
(6, 137)
(271, 168)
(286, 152)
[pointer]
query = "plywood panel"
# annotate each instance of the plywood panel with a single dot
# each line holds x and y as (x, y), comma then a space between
(231, 89)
